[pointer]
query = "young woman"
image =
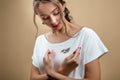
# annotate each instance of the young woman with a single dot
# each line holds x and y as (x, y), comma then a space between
(68, 51)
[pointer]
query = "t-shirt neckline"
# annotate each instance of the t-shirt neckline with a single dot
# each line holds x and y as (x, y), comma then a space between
(64, 42)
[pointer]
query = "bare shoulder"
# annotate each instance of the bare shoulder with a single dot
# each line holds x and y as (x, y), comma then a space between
(75, 29)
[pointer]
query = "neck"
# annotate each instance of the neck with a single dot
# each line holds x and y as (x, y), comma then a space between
(68, 29)
(64, 29)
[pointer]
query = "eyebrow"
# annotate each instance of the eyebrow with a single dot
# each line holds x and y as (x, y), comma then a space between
(50, 12)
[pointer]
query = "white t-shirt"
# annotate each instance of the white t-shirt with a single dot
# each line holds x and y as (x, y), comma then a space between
(91, 49)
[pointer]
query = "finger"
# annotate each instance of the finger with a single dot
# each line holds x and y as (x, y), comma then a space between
(70, 57)
(52, 53)
(74, 60)
(46, 56)
(44, 60)
(77, 52)
(76, 55)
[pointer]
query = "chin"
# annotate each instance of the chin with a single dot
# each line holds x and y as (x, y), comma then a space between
(60, 29)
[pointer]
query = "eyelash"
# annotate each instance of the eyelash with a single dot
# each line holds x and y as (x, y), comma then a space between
(45, 18)
(55, 14)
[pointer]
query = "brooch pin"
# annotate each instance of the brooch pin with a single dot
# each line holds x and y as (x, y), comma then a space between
(65, 50)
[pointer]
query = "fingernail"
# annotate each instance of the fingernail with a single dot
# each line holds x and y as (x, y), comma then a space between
(74, 52)
(49, 52)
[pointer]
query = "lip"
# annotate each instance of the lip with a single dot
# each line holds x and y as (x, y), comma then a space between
(56, 25)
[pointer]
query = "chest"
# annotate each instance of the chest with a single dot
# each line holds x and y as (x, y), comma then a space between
(57, 39)
(61, 51)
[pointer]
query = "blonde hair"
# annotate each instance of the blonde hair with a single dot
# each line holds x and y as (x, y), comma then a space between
(36, 4)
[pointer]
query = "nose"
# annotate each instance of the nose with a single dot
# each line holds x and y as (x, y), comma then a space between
(53, 20)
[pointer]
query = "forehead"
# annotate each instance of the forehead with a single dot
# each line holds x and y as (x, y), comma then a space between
(46, 8)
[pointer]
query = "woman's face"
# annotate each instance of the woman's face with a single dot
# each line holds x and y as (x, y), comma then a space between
(50, 15)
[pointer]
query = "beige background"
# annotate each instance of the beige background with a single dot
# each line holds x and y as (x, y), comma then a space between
(17, 34)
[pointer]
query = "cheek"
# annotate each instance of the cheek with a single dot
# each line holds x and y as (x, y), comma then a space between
(47, 23)
(59, 19)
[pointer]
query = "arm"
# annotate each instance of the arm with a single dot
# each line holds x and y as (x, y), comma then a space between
(92, 72)
(70, 63)
(92, 69)
(35, 74)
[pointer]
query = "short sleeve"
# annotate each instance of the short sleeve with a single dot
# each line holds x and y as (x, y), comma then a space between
(35, 59)
(93, 46)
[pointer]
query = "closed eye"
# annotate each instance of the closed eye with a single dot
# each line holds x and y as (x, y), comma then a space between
(45, 17)
(56, 12)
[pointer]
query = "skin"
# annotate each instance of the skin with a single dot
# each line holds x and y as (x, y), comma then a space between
(50, 15)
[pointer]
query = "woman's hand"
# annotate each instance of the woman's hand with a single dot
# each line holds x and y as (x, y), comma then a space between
(70, 63)
(48, 61)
